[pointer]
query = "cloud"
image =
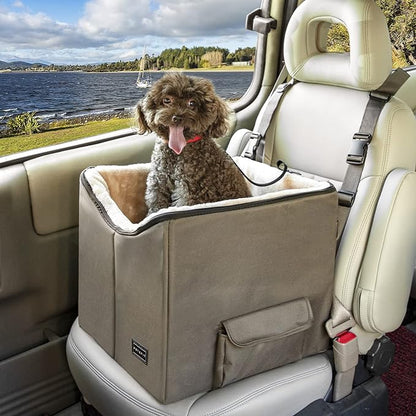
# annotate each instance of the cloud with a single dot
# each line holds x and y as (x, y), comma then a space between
(167, 18)
(38, 31)
(195, 18)
(111, 18)
(113, 30)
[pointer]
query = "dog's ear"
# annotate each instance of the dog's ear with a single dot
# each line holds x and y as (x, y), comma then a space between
(221, 124)
(141, 120)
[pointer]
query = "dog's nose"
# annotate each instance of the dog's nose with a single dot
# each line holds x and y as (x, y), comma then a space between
(176, 119)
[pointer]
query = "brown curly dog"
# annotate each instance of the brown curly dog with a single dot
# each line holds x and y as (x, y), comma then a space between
(187, 167)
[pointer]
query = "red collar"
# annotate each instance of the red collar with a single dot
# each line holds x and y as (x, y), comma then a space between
(195, 139)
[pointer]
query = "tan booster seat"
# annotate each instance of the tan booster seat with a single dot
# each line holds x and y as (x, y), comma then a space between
(194, 298)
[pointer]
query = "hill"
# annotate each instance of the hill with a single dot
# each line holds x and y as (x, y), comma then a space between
(19, 65)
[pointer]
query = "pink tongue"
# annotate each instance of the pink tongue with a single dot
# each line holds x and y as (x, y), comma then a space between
(177, 140)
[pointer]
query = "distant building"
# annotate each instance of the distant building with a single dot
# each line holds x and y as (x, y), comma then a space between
(241, 63)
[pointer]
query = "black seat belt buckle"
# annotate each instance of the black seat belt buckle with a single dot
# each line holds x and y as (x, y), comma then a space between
(252, 145)
(358, 151)
(346, 198)
(380, 96)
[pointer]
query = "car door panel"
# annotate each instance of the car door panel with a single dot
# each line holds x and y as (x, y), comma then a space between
(39, 267)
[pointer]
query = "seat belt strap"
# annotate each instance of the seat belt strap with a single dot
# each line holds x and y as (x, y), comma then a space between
(345, 345)
(362, 139)
(341, 319)
(256, 142)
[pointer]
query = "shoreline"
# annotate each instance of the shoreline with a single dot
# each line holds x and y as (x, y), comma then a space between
(46, 126)
(150, 71)
(91, 117)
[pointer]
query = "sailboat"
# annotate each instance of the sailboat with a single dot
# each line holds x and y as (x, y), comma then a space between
(143, 80)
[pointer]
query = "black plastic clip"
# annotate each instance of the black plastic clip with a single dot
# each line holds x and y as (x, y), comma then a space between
(345, 198)
(380, 96)
(358, 151)
(256, 22)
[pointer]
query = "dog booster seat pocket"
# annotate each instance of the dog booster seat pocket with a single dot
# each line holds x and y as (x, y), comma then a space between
(261, 340)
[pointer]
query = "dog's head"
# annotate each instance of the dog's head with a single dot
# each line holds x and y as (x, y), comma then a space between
(178, 108)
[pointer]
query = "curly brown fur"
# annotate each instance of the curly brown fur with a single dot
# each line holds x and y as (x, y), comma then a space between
(179, 108)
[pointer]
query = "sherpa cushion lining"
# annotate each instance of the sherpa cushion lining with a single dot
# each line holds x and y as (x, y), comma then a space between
(291, 184)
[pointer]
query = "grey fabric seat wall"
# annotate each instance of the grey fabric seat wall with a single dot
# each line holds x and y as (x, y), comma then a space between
(312, 132)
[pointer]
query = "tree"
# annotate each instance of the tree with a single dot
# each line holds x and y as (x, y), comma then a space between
(196, 57)
(338, 39)
(214, 58)
(401, 20)
(244, 54)
(230, 58)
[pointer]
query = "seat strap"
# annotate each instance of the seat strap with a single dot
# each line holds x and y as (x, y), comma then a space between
(256, 141)
(361, 140)
(345, 345)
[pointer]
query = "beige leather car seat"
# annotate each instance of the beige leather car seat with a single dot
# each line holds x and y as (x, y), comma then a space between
(407, 93)
(312, 132)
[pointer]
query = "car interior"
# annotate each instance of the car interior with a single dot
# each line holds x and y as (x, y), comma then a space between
(60, 319)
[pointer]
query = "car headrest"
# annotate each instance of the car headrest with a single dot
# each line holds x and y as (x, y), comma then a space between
(369, 61)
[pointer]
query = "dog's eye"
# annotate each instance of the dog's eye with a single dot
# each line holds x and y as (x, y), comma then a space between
(167, 100)
(192, 103)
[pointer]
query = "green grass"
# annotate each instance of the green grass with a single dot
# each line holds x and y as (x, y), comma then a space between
(14, 144)
(230, 68)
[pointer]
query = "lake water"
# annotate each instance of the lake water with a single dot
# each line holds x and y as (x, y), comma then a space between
(59, 95)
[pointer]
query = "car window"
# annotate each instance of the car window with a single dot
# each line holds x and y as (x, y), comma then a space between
(75, 70)
(401, 22)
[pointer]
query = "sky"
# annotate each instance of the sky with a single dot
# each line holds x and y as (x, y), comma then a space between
(96, 31)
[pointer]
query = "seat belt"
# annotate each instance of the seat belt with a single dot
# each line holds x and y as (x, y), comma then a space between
(345, 343)
(361, 140)
(255, 146)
